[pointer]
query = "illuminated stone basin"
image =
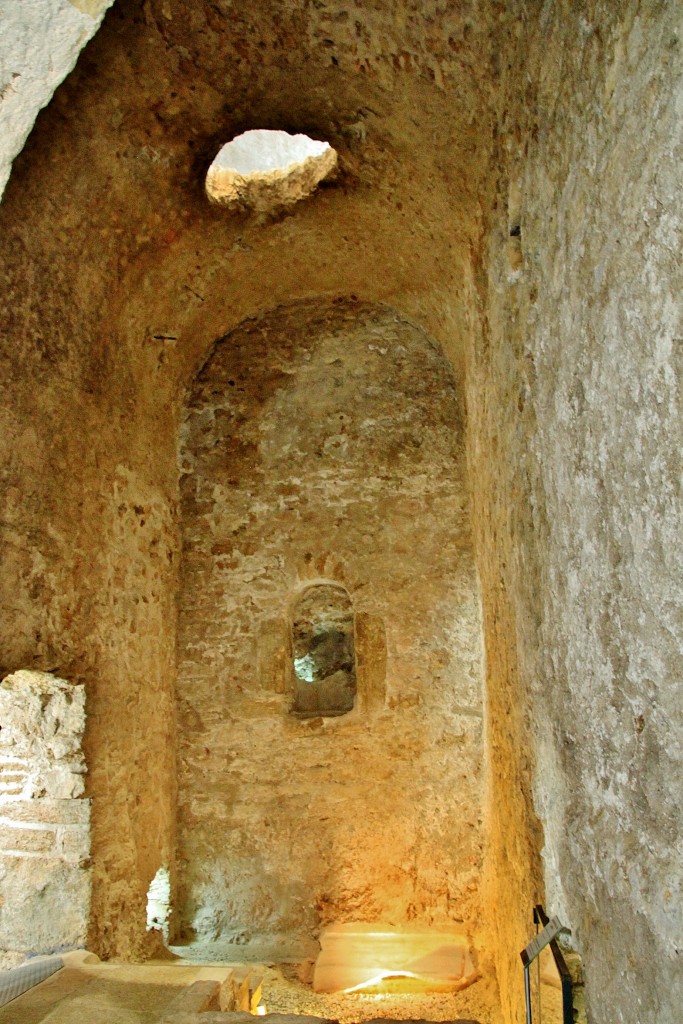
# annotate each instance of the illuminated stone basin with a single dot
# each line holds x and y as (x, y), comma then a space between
(375, 957)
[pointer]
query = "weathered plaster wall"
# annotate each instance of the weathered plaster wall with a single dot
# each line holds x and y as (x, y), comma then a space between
(575, 388)
(44, 817)
(324, 442)
(39, 45)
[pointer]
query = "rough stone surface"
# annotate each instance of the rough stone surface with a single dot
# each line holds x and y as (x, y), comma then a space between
(97, 351)
(106, 993)
(242, 1018)
(509, 179)
(294, 1018)
(198, 997)
(266, 170)
(348, 430)
(39, 45)
(44, 826)
(575, 376)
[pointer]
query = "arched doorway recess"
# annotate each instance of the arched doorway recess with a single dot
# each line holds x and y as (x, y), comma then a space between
(323, 442)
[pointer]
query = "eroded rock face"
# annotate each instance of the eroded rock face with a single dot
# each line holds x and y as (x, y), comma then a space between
(569, 283)
(99, 350)
(265, 169)
(576, 377)
(43, 719)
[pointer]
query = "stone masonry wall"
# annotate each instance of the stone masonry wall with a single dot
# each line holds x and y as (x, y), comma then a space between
(324, 443)
(44, 817)
(116, 276)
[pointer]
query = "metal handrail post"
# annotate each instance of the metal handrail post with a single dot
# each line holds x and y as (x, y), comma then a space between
(527, 992)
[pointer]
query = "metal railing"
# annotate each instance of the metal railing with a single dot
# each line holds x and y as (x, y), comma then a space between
(545, 937)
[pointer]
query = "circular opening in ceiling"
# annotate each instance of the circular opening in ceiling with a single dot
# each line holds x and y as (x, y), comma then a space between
(265, 169)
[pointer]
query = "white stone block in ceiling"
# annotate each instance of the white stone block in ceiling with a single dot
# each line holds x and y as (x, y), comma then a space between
(40, 41)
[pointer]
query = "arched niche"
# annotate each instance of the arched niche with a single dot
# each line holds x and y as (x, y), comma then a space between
(323, 653)
(322, 454)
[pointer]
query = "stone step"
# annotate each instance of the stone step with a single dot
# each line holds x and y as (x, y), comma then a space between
(195, 999)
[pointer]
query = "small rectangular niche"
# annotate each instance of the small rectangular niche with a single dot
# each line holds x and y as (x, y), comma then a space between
(323, 653)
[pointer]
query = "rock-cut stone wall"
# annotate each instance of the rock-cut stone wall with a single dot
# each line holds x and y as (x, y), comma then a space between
(575, 421)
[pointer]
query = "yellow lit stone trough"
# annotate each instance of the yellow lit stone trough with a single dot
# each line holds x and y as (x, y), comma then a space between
(377, 958)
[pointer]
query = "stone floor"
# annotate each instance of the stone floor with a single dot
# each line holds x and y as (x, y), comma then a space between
(107, 993)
